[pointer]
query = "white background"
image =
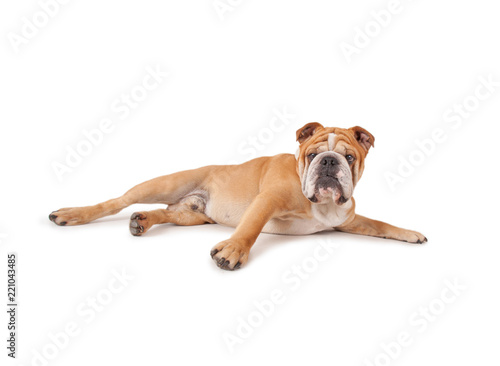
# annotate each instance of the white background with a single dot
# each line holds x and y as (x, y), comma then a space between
(225, 78)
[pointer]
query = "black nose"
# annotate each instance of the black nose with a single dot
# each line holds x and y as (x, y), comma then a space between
(329, 160)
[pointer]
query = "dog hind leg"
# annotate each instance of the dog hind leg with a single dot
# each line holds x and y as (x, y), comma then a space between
(140, 222)
(168, 189)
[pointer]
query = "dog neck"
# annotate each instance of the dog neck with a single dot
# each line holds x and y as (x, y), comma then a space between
(331, 214)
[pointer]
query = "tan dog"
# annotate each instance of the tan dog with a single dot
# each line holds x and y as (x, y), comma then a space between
(281, 194)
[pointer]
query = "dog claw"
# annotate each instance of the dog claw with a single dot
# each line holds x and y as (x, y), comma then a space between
(230, 254)
(53, 218)
(136, 227)
(137, 215)
(223, 263)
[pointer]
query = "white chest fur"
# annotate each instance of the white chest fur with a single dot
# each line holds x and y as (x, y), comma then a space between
(295, 226)
(325, 217)
(330, 214)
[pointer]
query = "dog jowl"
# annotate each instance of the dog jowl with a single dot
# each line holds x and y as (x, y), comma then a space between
(282, 194)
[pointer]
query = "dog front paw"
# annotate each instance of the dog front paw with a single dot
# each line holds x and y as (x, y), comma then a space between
(230, 254)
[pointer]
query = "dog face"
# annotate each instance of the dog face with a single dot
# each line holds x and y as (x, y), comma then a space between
(330, 161)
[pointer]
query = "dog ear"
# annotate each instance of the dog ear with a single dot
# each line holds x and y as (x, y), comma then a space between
(364, 138)
(307, 131)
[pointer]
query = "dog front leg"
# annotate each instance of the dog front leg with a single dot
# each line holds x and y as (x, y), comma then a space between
(232, 253)
(365, 226)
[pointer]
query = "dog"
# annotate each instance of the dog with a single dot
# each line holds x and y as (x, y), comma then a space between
(282, 194)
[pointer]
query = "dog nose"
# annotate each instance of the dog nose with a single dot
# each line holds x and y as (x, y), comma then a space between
(329, 160)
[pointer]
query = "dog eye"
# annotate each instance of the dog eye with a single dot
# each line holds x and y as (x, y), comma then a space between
(349, 158)
(311, 157)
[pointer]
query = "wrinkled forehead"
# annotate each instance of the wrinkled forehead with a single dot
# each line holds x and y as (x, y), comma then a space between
(331, 138)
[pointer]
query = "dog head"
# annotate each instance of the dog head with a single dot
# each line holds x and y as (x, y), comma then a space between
(330, 161)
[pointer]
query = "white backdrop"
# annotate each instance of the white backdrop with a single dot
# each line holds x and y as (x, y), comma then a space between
(178, 85)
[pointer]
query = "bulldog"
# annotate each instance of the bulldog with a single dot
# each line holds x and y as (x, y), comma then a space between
(282, 194)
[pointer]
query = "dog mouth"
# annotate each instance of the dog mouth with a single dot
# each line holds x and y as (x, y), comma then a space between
(328, 187)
